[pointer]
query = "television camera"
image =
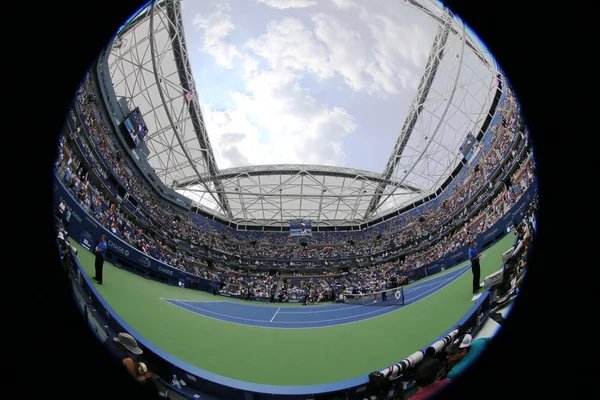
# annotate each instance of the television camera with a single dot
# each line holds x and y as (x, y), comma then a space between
(63, 241)
(502, 284)
(394, 381)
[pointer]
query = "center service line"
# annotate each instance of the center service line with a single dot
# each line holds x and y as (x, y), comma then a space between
(275, 315)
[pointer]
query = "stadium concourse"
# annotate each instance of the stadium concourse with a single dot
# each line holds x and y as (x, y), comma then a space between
(331, 267)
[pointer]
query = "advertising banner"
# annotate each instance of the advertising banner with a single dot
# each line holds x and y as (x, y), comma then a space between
(86, 230)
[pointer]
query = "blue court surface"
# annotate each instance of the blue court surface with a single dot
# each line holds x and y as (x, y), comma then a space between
(269, 316)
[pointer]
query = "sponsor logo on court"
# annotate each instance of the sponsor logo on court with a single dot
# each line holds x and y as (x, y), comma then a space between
(434, 266)
(145, 261)
(490, 234)
(92, 222)
(118, 247)
(76, 216)
(166, 271)
(455, 256)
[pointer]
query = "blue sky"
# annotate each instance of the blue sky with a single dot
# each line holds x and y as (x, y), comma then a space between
(305, 81)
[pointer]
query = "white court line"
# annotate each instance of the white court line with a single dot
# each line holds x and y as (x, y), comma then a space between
(220, 314)
(322, 311)
(275, 314)
(413, 288)
(320, 307)
(195, 301)
(425, 284)
(386, 309)
(330, 308)
(281, 322)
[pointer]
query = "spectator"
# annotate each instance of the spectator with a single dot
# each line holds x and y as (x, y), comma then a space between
(426, 378)
(463, 352)
(137, 369)
(67, 217)
(61, 211)
(132, 362)
(63, 248)
(127, 343)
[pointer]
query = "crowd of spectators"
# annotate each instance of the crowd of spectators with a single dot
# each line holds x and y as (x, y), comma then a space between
(168, 238)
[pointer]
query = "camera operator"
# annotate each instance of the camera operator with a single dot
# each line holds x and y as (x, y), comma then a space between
(63, 246)
(426, 377)
(463, 352)
(65, 238)
(523, 264)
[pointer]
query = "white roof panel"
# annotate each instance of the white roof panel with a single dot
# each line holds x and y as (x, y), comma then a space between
(146, 74)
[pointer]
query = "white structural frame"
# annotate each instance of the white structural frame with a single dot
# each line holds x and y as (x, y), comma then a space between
(150, 68)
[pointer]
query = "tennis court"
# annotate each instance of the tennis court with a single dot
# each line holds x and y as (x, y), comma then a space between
(289, 344)
(309, 317)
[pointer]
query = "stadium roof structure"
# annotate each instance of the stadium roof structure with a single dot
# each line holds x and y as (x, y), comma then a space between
(149, 67)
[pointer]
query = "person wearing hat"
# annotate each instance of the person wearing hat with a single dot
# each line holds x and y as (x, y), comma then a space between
(475, 267)
(426, 374)
(100, 252)
(463, 352)
(135, 367)
(128, 343)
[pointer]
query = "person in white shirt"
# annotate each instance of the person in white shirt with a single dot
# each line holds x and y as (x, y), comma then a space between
(383, 286)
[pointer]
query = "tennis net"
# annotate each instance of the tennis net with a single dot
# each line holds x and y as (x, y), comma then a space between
(389, 297)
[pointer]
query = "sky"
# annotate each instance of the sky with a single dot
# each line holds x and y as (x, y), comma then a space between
(305, 81)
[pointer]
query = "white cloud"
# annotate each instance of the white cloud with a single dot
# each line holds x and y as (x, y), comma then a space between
(249, 65)
(347, 53)
(399, 47)
(283, 4)
(274, 120)
(385, 64)
(344, 4)
(217, 26)
(288, 44)
(231, 136)
(278, 123)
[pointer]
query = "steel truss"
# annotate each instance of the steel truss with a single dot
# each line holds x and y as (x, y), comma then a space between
(150, 68)
(454, 97)
(274, 194)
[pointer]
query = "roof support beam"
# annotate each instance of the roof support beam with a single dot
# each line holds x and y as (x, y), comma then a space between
(295, 169)
(435, 57)
(291, 195)
(441, 119)
(173, 8)
(155, 67)
(453, 30)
